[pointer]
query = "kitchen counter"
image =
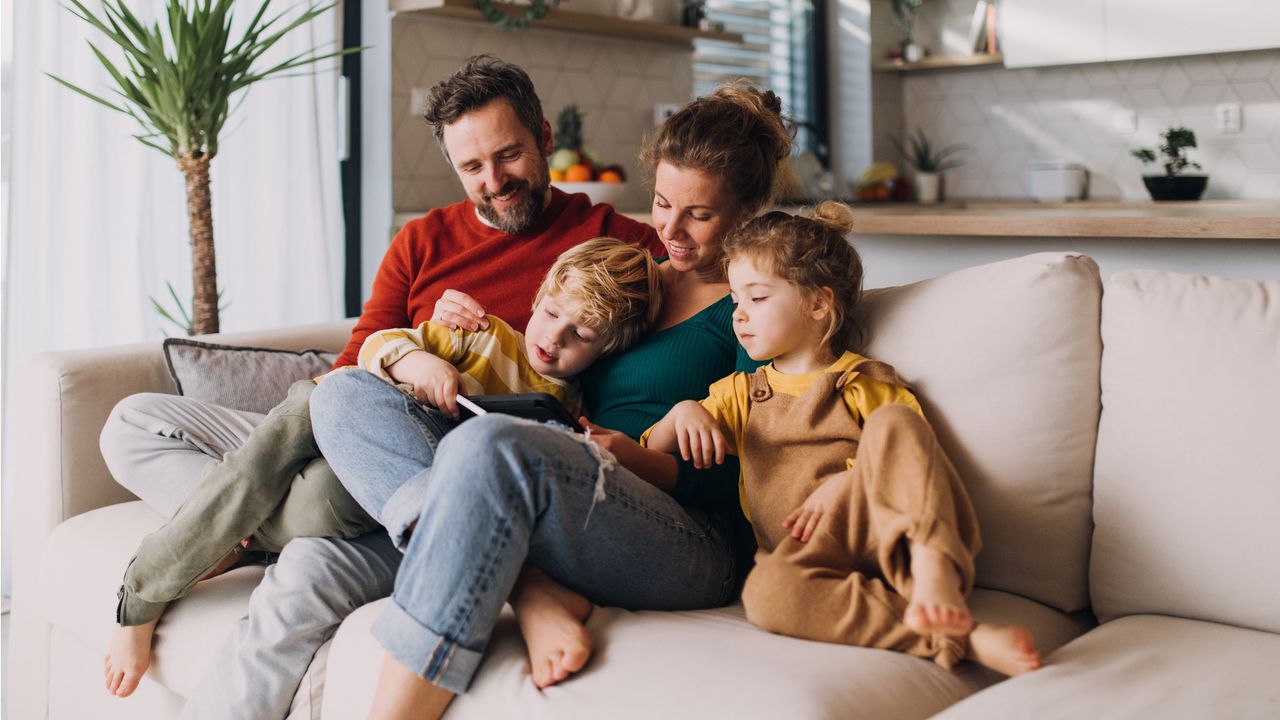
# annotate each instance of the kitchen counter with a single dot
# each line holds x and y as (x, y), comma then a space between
(1214, 219)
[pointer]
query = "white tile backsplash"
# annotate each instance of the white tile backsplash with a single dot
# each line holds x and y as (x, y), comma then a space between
(1009, 118)
(614, 82)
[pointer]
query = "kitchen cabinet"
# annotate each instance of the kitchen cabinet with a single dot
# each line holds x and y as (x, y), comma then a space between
(1161, 28)
(1053, 32)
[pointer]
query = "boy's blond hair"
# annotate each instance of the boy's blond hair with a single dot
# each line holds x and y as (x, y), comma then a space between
(616, 285)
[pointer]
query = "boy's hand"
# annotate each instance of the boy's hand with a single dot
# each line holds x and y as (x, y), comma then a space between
(698, 434)
(457, 309)
(804, 519)
(434, 381)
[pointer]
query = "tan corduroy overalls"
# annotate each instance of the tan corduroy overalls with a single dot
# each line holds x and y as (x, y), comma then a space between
(851, 582)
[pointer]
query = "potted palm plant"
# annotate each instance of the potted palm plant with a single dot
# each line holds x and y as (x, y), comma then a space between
(1173, 184)
(177, 81)
(928, 162)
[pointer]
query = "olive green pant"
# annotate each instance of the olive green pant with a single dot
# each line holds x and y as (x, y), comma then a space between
(273, 488)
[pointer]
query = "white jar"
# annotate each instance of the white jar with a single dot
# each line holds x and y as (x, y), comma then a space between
(1057, 181)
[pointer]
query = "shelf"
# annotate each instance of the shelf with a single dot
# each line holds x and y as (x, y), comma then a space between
(940, 62)
(570, 21)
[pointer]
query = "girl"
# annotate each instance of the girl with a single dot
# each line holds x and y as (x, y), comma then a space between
(878, 552)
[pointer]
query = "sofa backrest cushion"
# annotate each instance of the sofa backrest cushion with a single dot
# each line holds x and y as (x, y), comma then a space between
(1005, 360)
(1187, 482)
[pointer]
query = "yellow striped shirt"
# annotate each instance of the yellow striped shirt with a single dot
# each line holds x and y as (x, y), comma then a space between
(491, 361)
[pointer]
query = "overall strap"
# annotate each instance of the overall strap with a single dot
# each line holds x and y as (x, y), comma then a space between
(876, 370)
(758, 389)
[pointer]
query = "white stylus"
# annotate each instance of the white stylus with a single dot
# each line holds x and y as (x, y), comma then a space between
(464, 402)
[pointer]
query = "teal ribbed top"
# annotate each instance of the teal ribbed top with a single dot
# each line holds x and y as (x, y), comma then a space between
(631, 391)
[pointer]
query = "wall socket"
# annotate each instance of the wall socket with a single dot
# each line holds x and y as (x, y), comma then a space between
(1226, 117)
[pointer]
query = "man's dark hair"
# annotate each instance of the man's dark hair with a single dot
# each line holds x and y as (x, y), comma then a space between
(482, 80)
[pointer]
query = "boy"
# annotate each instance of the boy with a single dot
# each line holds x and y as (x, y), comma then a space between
(598, 298)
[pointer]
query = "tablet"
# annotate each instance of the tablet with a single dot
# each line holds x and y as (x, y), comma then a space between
(533, 406)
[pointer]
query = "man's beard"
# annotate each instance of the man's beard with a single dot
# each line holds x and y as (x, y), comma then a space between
(520, 216)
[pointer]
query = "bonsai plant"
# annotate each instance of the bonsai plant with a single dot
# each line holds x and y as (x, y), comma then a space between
(178, 80)
(904, 14)
(928, 162)
(1173, 185)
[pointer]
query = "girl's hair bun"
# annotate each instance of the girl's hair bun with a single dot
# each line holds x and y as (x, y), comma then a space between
(835, 215)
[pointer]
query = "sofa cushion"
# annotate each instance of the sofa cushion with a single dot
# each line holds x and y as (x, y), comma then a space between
(1187, 483)
(1005, 359)
(245, 378)
(708, 663)
(1143, 666)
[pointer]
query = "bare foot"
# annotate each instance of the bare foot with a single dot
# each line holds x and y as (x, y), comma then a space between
(937, 604)
(551, 618)
(232, 559)
(128, 657)
(1007, 649)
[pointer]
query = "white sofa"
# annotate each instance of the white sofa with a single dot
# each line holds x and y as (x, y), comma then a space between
(1120, 444)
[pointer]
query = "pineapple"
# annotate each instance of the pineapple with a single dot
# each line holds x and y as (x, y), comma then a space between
(568, 139)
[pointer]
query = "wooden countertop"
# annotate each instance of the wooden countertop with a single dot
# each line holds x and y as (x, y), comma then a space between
(1215, 219)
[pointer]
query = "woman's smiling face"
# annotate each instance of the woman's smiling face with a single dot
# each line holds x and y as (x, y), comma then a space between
(692, 213)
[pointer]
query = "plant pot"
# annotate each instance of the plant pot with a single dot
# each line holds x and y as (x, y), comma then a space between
(912, 52)
(1178, 187)
(928, 187)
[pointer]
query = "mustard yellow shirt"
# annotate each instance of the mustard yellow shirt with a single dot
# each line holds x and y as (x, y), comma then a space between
(728, 402)
(492, 361)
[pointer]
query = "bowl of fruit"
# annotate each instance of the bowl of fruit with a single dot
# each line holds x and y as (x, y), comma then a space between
(576, 170)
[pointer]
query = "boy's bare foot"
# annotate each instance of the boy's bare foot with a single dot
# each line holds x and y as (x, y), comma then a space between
(1007, 649)
(551, 618)
(937, 605)
(128, 657)
(232, 559)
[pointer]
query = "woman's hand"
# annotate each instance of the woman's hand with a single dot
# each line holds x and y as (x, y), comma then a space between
(698, 434)
(457, 309)
(804, 519)
(434, 381)
(658, 468)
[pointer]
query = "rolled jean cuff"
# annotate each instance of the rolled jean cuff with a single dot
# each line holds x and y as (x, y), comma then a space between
(133, 610)
(404, 507)
(437, 659)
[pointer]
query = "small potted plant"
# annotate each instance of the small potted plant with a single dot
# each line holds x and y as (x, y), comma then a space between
(928, 163)
(1173, 185)
(904, 13)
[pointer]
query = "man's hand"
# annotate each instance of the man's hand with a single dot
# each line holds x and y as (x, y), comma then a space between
(434, 381)
(698, 434)
(804, 519)
(457, 309)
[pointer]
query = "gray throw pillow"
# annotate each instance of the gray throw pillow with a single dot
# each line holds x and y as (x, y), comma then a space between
(243, 378)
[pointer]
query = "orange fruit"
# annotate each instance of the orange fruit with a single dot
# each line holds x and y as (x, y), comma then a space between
(610, 176)
(578, 173)
(556, 175)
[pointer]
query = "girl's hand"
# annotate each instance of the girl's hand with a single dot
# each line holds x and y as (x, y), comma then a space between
(804, 519)
(457, 309)
(434, 381)
(657, 468)
(698, 434)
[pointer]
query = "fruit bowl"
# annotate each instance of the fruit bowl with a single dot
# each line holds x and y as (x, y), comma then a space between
(598, 192)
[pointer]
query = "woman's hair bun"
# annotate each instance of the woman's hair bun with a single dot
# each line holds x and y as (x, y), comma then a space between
(835, 215)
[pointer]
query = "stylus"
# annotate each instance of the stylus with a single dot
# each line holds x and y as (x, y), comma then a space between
(464, 402)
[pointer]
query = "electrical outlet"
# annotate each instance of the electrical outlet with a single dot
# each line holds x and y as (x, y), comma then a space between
(1125, 121)
(1226, 117)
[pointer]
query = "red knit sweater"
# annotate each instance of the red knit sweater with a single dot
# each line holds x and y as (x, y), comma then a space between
(450, 248)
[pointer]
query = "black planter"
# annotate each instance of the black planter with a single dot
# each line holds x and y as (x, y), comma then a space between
(1178, 187)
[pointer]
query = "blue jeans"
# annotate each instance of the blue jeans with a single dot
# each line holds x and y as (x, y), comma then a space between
(499, 492)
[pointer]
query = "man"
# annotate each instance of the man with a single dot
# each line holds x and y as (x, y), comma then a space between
(496, 245)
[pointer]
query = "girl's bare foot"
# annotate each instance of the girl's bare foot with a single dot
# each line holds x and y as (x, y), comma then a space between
(551, 618)
(937, 604)
(128, 657)
(1007, 649)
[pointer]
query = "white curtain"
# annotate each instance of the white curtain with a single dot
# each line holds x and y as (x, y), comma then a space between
(97, 222)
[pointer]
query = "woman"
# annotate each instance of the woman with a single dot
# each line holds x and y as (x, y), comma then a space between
(603, 521)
